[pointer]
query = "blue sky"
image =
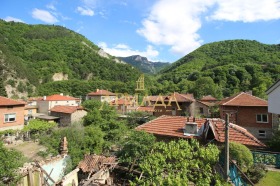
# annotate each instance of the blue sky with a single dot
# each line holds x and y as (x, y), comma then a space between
(162, 30)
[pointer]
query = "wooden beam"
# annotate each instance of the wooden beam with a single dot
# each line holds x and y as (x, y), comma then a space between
(49, 177)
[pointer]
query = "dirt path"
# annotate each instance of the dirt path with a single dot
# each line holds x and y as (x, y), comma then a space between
(29, 149)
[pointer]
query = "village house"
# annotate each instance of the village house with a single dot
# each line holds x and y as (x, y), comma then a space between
(101, 95)
(204, 105)
(68, 114)
(48, 102)
(174, 105)
(11, 114)
(205, 130)
(124, 105)
(273, 93)
(249, 112)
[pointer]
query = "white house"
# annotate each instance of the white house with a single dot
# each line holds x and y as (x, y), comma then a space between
(48, 102)
(273, 93)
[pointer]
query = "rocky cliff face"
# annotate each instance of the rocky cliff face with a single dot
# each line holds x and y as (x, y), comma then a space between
(143, 64)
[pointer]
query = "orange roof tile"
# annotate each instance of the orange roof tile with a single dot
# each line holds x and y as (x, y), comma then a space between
(95, 162)
(208, 98)
(121, 102)
(243, 99)
(171, 126)
(236, 133)
(65, 109)
(10, 102)
(58, 97)
(101, 93)
(145, 109)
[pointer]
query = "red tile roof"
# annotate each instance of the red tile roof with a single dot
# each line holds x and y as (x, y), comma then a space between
(101, 93)
(145, 109)
(10, 102)
(208, 98)
(209, 104)
(243, 99)
(121, 102)
(58, 97)
(171, 126)
(182, 97)
(236, 133)
(65, 109)
(95, 162)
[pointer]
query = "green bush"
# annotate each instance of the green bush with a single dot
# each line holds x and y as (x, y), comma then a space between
(241, 154)
(256, 172)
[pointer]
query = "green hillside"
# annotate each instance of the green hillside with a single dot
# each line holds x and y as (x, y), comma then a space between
(35, 53)
(224, 68)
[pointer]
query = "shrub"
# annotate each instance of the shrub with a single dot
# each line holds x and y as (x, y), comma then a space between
(256, 172)
(241, 154)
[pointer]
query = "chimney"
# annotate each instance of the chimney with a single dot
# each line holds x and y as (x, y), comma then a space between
(44, 98)
(63, 146)
(61, 94)
(190, 128)
(97, 90)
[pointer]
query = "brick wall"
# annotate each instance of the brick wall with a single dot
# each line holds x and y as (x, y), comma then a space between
(247, 118)
(18, 123)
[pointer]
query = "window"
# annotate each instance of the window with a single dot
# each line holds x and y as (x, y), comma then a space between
(10, 117)
(262, 118)
(262, 134)
(201, 110)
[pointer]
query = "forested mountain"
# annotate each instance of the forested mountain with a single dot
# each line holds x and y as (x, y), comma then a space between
(32, 55)
(224, 68)
(143, 64)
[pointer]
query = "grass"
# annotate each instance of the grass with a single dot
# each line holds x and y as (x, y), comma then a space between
(271, 178)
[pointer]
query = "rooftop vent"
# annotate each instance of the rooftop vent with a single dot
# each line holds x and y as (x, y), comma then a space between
(190, 129)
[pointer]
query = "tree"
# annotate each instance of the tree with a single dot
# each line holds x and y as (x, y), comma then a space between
(136, 147)
(179, 163)
(36, 126)
(206, 86)
(275, 141)
(10, 160)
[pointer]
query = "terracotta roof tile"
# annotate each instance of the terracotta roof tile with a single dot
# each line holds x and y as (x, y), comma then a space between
(95, 162)
(65, 109)
(145, 109)
(243, 99)
(236, 133)
(168, 126)
(101, 93)
(208, 98)
(10, 102)
(58, 97)
(122, 102)
(172, 126)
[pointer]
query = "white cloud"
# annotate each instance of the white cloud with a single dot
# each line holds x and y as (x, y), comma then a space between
(123, 50)
(85, 11)
(51, 6)
(44, 16)
(176, 24)
(247, 10)
(9, 18)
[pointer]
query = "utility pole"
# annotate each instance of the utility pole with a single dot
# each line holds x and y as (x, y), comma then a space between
(227, 147)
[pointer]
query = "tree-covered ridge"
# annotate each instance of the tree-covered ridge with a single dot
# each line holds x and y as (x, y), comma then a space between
(234, 65)
(37, 52)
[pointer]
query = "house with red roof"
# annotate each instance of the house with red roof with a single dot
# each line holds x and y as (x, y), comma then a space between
(250, 112)
(11, 114)
(68, 114)
(101, 95)
(273, 93)
(175, 104)
(204, 130)
(48, 102)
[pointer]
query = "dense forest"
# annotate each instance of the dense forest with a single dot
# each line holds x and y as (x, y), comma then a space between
(36, 52)
(30, 56)
(224, 68)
